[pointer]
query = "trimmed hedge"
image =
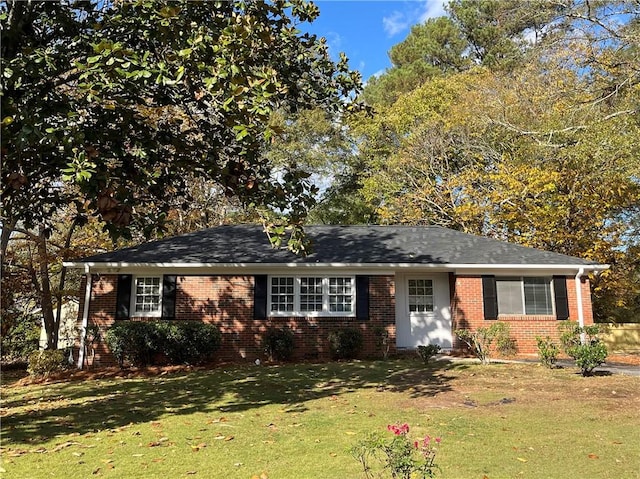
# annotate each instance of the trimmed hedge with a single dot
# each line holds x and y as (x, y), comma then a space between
(279, 344)
(345, 343)
(182, 342)
(188, 342)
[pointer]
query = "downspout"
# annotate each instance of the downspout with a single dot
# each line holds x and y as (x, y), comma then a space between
(85, 316)
(579, 301)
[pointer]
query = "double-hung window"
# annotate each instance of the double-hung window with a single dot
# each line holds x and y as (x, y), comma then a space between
(524, 296)
(312, 295)
(147, 296)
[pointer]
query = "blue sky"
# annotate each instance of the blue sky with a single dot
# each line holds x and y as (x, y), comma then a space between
(366, 29)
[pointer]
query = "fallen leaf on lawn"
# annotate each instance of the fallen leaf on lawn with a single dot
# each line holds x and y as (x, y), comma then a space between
(350, 433)
(96, 471)
(228, 438)
(163, 439)
(2, 469)
(269, 441)
(522, 459)
(333, 454)
(77, 454)
(137, 455)
(17, 453)
(238, 464)
(191, 473)
(617, 442)
(63, 445)
(153, 444)
(485, 477)
(107, 461)
(593, 456)
(157, 459)
(219, 437)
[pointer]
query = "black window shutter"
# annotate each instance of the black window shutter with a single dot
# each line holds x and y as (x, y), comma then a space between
(362, 297)
(489, 297)
(169, 296)
(260, 296)
(123, 296)
(561, 297)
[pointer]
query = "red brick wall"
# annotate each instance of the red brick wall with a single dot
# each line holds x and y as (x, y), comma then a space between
(467, 313)
(227, 302)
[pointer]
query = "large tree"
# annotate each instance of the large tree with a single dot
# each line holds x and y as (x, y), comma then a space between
(114, 110)
(533, 141)
(125, 99)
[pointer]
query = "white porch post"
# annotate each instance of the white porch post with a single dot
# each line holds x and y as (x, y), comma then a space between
(85, 316)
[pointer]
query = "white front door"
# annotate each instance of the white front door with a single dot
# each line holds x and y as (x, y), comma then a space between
(423, 311)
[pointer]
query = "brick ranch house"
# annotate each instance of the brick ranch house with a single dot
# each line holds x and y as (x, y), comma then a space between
(418, 284)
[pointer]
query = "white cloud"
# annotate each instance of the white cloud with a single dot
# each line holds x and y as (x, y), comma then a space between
(432, 9)
(395, 23)
(414, 12)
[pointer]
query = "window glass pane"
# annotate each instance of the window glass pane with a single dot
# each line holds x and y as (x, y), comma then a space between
(420, 295)
(340, 295)
(282, 294)
(509, 292)
(147, 298)
(310, 294)
(537, 296)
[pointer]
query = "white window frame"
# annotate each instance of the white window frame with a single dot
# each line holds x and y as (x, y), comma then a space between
(521, 279)
(432, 296)
(134, 294)
(326, 307)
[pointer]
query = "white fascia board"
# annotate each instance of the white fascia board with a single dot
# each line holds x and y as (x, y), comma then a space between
(538, 269)
(372, 268)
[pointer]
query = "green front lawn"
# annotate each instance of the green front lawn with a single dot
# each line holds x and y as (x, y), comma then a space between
(298, 421)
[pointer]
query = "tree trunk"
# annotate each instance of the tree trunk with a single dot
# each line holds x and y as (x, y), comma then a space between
(51, 323)
(63, 275)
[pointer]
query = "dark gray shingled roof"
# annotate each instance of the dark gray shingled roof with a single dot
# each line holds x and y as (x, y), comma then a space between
(337, 244)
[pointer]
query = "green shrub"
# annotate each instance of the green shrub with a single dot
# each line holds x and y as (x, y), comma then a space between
(43, 363)
(583, 345)
(133, 341)
(426, 352)
(188, 342)
(548, 351)
(480, 341)
(278, 344)
(182, 342)
(345, 343)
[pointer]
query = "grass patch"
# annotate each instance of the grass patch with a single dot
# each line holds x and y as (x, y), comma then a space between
(298, 421)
